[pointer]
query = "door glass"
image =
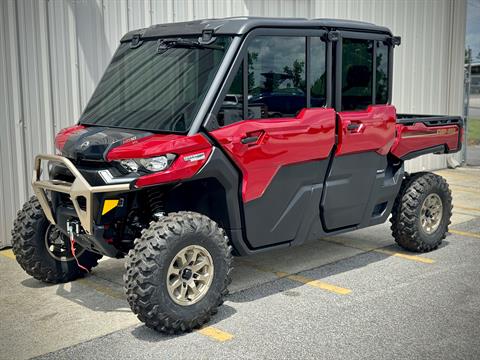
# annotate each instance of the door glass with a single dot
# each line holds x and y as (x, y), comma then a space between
(357, 72)
(382, 74)
(276, 76)
(231, 109)
(318, 72)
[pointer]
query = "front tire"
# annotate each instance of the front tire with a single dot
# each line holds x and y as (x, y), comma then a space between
(43, 251)
(421, 212)
(178, 272)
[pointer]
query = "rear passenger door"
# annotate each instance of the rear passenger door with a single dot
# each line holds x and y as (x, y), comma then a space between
(279, 131)
(366, 128)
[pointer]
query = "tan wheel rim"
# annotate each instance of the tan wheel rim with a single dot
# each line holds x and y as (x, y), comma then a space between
(190, 275)
(431, 213)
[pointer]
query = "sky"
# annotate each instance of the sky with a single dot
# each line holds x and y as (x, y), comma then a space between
(473, 28)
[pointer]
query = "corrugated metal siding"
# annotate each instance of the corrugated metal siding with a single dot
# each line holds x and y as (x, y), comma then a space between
(53, 53)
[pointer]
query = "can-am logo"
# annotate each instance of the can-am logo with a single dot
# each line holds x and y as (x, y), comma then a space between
(130, 139)
(85, 145)
(194, 157)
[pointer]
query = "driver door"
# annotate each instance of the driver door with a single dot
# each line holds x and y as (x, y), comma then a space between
(275, 126)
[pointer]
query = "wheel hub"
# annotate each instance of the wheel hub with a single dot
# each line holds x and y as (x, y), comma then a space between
(186, 274)
(431, 213)
(190, 275)
(58, 245)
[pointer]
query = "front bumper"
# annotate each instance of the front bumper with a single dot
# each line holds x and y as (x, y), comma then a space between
(79, 188)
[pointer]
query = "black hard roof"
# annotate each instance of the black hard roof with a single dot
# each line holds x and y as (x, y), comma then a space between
(242, 25)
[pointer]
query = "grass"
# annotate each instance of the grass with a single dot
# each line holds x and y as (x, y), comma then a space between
(473, 131)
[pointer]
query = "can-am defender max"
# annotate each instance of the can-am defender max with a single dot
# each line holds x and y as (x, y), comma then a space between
(231, 136)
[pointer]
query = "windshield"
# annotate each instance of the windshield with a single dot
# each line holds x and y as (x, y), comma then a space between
(157, 86)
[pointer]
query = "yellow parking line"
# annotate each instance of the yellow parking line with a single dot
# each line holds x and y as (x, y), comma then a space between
(417, 258)
(8, 253)
(465, 189)
(465, 233)
(406, 256)
(105, 290)
(216, 334)
(314, 283)
(465, 208)
(304, 280)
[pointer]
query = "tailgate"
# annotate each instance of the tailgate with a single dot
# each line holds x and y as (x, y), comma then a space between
(420, 134)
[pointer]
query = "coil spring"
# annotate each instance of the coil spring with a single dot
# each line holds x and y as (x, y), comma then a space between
(156, 203)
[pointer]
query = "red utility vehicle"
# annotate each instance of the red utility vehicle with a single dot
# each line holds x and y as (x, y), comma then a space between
(225, 137)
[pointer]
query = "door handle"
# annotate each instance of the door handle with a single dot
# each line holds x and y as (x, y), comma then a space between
(355, 127)
(252, 138)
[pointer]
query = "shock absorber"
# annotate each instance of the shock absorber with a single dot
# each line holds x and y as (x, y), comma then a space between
(157, 205)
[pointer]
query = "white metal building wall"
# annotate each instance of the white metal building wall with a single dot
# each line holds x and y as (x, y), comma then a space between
(53, 53)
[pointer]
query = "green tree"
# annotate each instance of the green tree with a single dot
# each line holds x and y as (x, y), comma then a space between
(296, 74)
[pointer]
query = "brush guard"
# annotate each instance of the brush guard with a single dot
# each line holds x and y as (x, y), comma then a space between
(79, 188)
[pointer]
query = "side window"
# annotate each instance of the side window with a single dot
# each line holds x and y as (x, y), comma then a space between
(381, 95)
(276, 76)
(357, 73)
(318, 73)
(231, 109)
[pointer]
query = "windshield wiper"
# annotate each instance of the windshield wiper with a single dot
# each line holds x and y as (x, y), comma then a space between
(165, 44)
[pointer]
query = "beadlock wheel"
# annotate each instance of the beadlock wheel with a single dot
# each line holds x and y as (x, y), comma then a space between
(431, 213)
(170, 279)
(421, 212)
(190, 275)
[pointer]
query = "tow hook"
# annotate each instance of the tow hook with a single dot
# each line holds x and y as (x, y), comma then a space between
(73, 229)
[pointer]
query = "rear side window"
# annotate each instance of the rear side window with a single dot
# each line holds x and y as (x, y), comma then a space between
(381, 95)
(318, 72)
(357, 73)
(276, 76)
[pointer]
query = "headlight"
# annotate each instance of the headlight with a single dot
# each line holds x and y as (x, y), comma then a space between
(129, 165)
(155, 164)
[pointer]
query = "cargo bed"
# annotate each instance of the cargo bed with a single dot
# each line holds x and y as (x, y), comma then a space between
(425, 134)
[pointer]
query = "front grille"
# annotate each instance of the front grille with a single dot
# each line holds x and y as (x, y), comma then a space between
(66, 201)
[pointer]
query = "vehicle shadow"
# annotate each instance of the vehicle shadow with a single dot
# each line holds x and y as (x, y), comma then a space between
(254, 277)
(144, 333)
(94, 291)
(278, 281)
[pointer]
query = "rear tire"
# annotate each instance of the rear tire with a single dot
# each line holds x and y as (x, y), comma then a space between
(421, 212)
(29, 245)
(150, 281)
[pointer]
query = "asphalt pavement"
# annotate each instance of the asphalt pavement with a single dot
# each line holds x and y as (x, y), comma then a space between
(398, 309)
(353, 296)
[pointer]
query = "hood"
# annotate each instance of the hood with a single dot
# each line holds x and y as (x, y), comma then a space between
(94, 143)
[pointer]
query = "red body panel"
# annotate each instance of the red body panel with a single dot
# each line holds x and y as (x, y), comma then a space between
(64, 134)
(156, 145)
(179, 170)
(419, 136)
(281, 141)
(372, 129)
